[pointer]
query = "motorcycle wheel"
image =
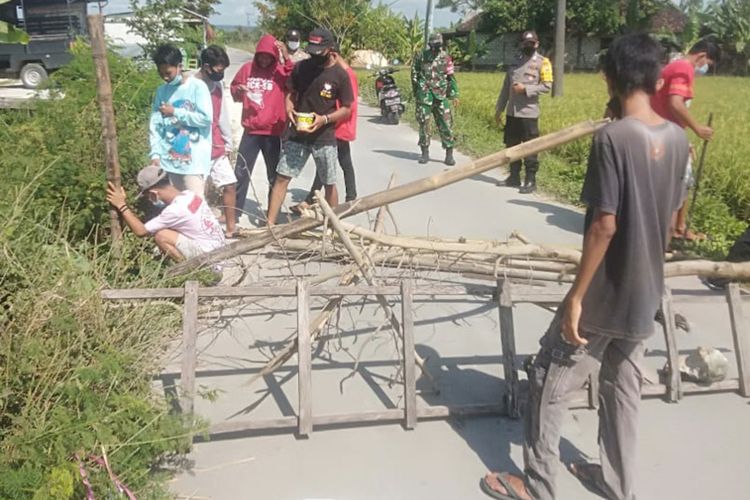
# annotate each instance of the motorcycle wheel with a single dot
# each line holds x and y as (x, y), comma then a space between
(393, 118)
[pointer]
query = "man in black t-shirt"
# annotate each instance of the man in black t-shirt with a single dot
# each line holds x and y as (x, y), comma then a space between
(314, 88)
(633, 188)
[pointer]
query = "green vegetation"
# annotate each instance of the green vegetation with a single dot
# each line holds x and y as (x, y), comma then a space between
(723, 205)
(76, 373)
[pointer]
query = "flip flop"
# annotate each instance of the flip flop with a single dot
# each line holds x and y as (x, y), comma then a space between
(584, 472)
(502, 477)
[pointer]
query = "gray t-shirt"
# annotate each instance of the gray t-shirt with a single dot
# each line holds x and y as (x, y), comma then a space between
(636, 172)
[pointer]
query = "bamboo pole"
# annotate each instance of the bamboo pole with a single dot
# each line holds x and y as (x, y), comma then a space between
(107, 111)
(398, 193)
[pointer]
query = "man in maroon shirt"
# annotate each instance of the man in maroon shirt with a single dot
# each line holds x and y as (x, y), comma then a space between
(673, 99)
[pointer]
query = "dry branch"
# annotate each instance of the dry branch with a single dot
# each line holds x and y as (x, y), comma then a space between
(399, 193)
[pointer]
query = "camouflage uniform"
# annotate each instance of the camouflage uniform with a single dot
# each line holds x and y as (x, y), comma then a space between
(434, 87)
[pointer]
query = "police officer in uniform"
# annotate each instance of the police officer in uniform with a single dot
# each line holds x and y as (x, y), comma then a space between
(434, 86)
(296, 54)
(527, 78)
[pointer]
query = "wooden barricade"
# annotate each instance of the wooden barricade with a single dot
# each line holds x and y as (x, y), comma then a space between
(507, 296)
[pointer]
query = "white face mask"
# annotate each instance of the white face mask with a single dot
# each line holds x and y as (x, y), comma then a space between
(292, 45)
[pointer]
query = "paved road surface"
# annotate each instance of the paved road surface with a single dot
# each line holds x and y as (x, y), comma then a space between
(691, 450)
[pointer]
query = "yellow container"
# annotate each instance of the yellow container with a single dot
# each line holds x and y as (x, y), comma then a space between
(304, 121)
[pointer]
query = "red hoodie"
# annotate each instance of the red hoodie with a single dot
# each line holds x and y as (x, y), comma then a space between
(263, 111)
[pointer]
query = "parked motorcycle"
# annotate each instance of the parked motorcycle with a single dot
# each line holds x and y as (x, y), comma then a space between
(389, 96)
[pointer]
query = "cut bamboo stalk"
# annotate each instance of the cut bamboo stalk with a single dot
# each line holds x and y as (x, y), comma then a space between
(398, 193)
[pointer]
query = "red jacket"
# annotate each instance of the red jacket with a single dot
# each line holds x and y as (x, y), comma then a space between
(263, 109)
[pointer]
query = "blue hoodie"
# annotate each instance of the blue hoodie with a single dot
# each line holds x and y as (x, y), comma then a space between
(182, 142)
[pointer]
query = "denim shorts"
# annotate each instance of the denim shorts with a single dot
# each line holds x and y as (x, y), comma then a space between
(295, 154)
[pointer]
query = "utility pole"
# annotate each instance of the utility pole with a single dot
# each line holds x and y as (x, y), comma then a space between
(428, 21)
(558, 64)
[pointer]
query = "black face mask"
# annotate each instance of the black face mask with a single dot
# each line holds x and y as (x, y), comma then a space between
(435, 47)
(527, 51)
(319, 59)
(216, 76)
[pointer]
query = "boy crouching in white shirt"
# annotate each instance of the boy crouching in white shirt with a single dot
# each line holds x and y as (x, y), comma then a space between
(185, 228)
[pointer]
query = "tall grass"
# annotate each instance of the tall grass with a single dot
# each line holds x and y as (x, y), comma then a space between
(723, 205)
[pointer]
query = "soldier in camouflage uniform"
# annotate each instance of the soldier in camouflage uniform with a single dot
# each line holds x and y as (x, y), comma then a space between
(528, 78)
(434, 87)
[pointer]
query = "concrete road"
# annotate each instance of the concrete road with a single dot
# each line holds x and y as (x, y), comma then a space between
(691, 450)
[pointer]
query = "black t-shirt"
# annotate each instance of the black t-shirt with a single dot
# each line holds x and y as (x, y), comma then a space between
(318, 89)
(637, 173)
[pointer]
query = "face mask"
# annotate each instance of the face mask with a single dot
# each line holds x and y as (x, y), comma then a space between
(292, 45)
(216, 76)
(176, 80)
(435, 47)
(158, 203)
(319, 59)
(527, 51)
(702, 70)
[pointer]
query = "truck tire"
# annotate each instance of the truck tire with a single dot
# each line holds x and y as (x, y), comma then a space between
(33, 75)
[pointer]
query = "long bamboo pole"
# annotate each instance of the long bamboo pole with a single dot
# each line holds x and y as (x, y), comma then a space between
(107, 111)
(398, 193)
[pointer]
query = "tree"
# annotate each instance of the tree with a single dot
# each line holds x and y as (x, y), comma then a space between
(730, 21)
(11, 34)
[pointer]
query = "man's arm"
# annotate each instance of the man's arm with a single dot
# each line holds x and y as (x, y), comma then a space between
(545, 81)
(595, 245)
(416, 73)
(238, 87)
(681, 112)
(502, 99)
(118, 199)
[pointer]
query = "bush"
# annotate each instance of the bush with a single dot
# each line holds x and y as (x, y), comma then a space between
(76, 373)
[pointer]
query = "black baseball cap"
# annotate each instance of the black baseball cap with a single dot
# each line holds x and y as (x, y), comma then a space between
(294, 35)
(529, 38)
(319, 40)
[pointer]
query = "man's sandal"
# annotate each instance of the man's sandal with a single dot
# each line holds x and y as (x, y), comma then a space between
(502, 477)
(588, 475)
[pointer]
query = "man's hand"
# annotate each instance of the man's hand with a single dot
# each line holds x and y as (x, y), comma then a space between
(456, 102)
(318, 122)
(166, 109)
(156, 162)
(243, 88)
(693, 154)
(116, 196)
(290, 113)
(282, 49)
(571, 319)
(704, 133)
(519, 88)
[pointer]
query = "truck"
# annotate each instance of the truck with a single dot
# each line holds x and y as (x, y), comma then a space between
(52, 26)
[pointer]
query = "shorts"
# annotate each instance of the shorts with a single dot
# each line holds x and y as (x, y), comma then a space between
(222, 173)
(187, 247)
(194, 183)
(689, 177)
(295, 154)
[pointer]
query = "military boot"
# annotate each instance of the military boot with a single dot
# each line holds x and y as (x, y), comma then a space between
(449, 157)
(529, 185)
(513, 180)
(425, 155)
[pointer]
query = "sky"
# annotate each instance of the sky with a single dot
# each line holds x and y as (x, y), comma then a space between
(233, 12)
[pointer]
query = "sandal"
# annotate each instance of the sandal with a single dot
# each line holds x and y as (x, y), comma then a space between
(511, 493)
(688, 236)
(297, 209)
(589, 475)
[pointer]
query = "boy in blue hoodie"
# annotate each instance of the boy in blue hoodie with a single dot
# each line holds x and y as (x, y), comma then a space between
(180, 126)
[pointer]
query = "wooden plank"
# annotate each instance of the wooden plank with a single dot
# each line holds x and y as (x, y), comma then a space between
(469, 410)
(247, 291)
(508, 341)
(698, 299)
(729, 385)
(189, 355)
(304, 359)
(254, 425)
(391, 415)
(673, 360)
(410, 373)
(143, 293)
(741, 339)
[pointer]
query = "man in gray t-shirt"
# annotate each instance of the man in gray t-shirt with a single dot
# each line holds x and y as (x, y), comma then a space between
(633, 188)
(640, 186)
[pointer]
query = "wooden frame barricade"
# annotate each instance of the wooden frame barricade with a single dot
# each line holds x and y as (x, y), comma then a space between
(507, 296)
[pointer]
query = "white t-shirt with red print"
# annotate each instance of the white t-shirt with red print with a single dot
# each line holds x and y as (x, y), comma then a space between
(190, 216)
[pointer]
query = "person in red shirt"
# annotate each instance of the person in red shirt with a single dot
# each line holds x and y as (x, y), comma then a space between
(672, 101)
(260, 86)
(214, 61)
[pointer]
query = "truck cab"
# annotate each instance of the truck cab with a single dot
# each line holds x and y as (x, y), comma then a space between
(52, 26)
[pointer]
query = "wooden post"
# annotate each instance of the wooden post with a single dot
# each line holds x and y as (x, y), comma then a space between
(508, 341)
(189, 334)
(107, 111)
(740, 335)
(674, 383)
(304, 359)
(410, 377)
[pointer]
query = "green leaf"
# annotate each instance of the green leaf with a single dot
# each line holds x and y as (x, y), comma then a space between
(11, 34)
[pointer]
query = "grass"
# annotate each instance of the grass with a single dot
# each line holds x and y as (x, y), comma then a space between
(723, 206)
